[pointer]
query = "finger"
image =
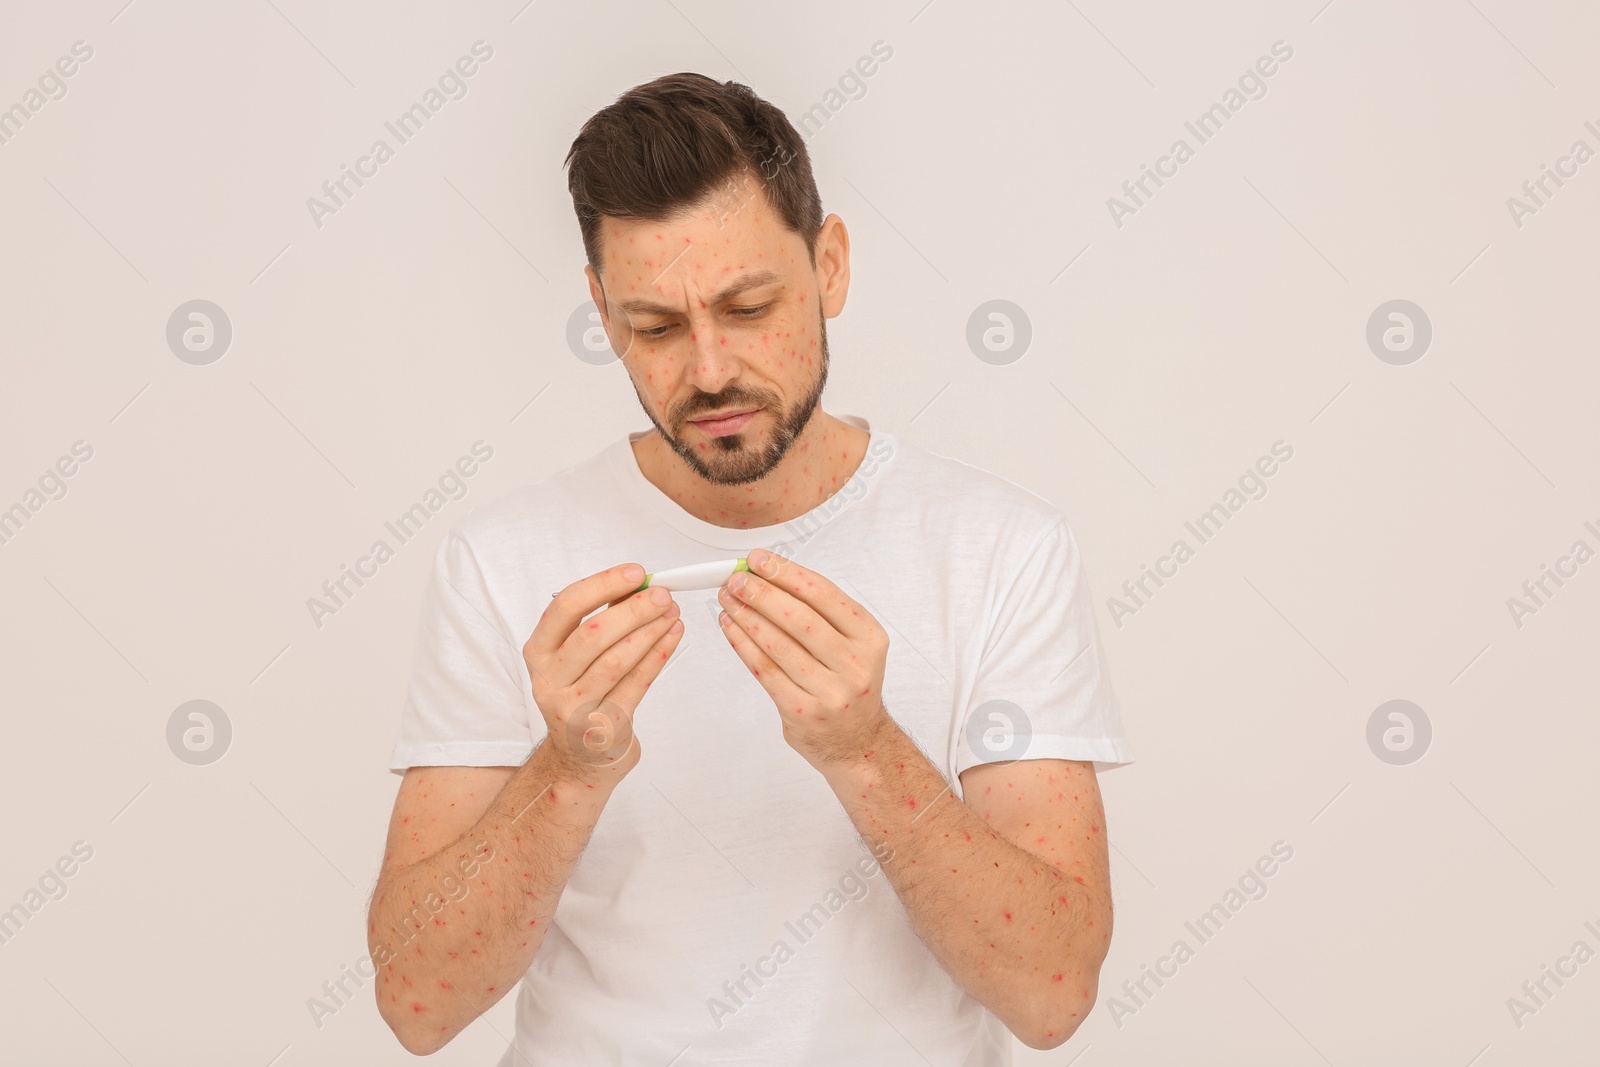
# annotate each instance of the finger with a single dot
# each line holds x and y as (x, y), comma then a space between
(786, 696)
(801, 666)
(568, 607)
(600, 633)
(632, 686)
(810, 631)
(601, 674)
(827, 599)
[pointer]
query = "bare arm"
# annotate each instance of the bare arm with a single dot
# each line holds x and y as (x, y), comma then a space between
(478, 857)
(452, 932)
(1015, 904)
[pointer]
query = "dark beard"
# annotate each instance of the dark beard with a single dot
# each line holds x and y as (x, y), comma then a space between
(735, 463)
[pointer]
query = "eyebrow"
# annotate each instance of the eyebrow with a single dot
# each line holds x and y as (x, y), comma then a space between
(753, 280)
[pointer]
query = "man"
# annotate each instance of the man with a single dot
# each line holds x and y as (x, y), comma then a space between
(853, 820)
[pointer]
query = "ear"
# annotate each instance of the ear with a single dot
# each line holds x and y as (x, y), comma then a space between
(833, 265)
(597, 293)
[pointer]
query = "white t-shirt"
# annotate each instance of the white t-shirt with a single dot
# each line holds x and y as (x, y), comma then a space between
(725, 910)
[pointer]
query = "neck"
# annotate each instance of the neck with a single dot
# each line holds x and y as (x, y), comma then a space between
(816, 466)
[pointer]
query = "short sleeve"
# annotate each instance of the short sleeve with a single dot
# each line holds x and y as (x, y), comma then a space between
(469, 699)
(1042, 690)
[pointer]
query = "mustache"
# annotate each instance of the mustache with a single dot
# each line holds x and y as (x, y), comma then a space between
(705, 407)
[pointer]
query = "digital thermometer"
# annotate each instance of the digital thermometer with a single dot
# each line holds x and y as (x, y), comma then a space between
(695, 576)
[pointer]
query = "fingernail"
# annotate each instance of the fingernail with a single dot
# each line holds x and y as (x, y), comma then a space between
(659, 595)
(737, 581)
(633, 572)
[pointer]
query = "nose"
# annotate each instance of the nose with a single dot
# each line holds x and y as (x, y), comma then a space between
(713, 361)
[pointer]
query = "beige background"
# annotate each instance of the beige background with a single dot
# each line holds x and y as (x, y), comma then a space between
(1168, 354)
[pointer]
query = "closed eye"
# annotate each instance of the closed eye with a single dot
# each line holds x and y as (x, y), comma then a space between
(656, 332)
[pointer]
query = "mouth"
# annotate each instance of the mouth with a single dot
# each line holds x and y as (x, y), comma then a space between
(727, 423)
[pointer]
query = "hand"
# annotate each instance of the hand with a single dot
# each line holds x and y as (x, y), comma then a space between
(817, 653)
(589, 679)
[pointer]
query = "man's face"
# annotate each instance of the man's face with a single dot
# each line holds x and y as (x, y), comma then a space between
(719, 311)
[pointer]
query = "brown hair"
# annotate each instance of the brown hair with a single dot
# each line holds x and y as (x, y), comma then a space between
(663, 146)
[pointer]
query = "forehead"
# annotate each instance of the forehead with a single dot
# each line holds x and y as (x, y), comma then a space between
(730, 232)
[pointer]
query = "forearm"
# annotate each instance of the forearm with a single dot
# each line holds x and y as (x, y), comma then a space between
(452, 933)
(1025, 938)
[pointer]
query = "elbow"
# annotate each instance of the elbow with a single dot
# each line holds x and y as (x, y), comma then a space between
(1051, 1023)
(420, 1042)
(417, 1038)
(1048, 1033)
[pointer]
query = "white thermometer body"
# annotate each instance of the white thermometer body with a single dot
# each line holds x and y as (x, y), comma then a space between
(695, 576)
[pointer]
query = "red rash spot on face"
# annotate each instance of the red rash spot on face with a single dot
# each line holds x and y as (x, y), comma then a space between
(911, 802)
(1077, 878)
(1007, 914)
(417, 1007)
(1057, 978)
